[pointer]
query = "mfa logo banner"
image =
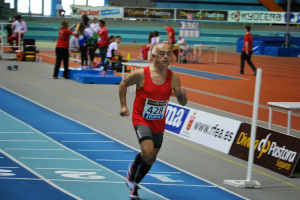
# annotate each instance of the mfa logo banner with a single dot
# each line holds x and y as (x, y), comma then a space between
(175, 117)
(210, 130)
(256, 17)
(201, 127)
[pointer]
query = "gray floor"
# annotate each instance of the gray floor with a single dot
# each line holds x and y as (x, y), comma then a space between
(98, 107)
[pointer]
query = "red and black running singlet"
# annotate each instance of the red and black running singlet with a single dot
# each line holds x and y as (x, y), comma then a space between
(151, 103)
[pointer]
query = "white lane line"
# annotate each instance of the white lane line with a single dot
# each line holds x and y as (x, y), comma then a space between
(64, 133)
(156, 172)
(34, 158)
(1, 157)
(24, 140)
(69, 169)
(212, 186)
(105, 150)
(112, 182)
(17, 132)
(24, 149)
(114, 160)
(10, 167)
(38, 175)
(86, 141)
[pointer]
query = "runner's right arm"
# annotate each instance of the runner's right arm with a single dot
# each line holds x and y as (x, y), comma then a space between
(136, 77)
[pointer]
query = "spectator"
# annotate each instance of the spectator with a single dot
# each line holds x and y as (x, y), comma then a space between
(85, 20)
(74, 44)
(146, 48)
(60, 9)
(103, 44)
(9, 28)
(155, 39)
(181, 41)
(62, 48)
(82, 38)
(111, 39)
(113, 52)
(95, 25)
(20, 28)
(171, 37)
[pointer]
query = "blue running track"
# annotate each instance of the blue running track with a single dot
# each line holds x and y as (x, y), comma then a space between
(45, 155)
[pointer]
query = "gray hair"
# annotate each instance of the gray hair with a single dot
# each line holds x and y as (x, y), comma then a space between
(154, 49)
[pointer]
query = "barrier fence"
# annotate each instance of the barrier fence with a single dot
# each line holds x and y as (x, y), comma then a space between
(232, 16)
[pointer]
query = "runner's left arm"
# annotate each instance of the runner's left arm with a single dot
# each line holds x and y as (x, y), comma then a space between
(178, 90)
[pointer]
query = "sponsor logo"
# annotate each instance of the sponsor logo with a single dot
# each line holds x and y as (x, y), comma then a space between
(188, 127)
(294, 18)
(266, 146)
(78, 11)
(110, 12)
(256, 16)
(175, 118)
(149, 13)
(236, 16)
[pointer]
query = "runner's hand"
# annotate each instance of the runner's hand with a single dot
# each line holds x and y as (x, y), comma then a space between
(124, 111)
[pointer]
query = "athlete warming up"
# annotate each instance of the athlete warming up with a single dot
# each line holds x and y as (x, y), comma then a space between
(154, 87)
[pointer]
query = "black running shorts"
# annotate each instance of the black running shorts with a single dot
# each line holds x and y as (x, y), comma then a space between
(145, 133)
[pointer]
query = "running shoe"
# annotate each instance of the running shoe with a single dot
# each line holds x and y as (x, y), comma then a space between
(134, 193)
(129, 182)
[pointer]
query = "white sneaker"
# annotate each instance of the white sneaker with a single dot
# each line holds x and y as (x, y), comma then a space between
(130, 184)
(134, 193)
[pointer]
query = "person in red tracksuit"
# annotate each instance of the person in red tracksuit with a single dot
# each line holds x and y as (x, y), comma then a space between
(247, 51)
(154, 87)
(171, 37)
(62, 48)
(103, 44)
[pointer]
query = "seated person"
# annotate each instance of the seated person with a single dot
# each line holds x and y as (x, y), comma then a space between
(60, 9)
(74, 44)
(113, 53)
(181, 41)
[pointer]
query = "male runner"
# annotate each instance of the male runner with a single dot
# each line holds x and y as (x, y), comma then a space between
(154, 87)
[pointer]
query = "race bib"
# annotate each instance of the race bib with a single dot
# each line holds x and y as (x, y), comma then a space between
(154, 110)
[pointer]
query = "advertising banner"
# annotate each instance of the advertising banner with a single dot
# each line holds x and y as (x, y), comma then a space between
(256, 17)
(98, 12)
(201, 127)
(154, 13)
(275, 151)
(207, 15)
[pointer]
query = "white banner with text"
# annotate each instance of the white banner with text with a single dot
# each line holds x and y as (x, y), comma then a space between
(201, 127)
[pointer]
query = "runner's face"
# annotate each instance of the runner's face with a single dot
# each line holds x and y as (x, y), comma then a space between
(163, 56)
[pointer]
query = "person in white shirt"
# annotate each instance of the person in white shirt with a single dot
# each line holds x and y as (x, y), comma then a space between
(20, 28)
(154, 40)
(95, 25)
(182, 48)
(74, 44)
(113, 50)
(60, 9)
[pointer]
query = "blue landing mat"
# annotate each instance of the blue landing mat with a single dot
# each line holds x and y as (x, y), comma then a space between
(91, 76)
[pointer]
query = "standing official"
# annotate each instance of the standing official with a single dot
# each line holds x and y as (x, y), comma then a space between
(247, 51)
